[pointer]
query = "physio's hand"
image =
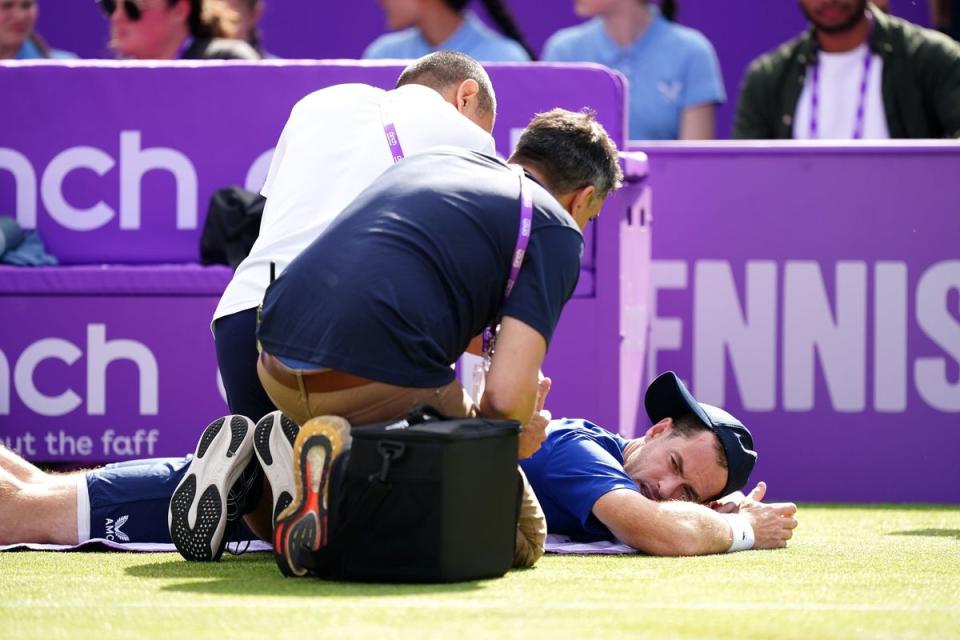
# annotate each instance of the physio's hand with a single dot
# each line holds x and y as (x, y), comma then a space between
(535, 431)
(772, 523)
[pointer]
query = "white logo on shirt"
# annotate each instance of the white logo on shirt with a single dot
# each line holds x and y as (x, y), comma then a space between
(670, 90)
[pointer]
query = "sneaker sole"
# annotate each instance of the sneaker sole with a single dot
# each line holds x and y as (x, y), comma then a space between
(273, 442)
(304, 522)
(197, 514)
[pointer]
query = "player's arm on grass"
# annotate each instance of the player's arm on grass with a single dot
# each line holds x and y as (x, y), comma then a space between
(688, 529)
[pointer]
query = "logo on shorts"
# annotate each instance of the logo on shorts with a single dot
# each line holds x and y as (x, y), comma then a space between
(113, 529)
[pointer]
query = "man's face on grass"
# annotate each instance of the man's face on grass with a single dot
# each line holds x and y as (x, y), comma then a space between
(667, 466)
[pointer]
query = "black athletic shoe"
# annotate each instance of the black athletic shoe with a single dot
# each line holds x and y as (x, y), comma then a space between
(273, 445)
(208, 500)
(304, 523)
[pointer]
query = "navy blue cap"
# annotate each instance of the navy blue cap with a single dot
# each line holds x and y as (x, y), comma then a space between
(668, 397)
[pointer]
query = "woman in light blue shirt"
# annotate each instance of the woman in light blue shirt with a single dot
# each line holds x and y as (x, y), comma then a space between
(17, 38)
(673, 71)
(423, 26)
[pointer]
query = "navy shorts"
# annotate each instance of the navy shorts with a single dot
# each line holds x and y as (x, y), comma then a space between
(129, 500)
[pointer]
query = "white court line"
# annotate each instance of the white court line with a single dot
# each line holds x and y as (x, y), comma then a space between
(296, 602)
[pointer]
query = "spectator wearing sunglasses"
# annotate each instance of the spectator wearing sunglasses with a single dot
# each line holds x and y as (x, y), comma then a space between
(18, 41)
(175, 29)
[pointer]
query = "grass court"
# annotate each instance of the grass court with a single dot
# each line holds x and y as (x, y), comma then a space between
(850, 572)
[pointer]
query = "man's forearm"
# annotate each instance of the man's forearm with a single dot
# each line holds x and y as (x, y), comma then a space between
(684, 529)
(687, 529)
(663, 528)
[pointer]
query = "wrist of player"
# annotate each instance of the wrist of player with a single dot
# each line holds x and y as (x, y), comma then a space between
(742, 530)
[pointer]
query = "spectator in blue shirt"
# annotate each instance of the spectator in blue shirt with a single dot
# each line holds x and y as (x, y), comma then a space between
(674, 74)
(423, 26)
(18, 40)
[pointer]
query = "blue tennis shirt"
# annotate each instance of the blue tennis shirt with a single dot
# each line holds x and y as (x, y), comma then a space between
(577, 464)
(669, 67)
(473, 38)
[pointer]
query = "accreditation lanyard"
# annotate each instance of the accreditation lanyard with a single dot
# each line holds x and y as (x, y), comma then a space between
(393, 140)
(523, 239)
(861, 101)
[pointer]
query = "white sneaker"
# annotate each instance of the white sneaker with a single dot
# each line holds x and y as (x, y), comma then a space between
(273, 445)
(209, 498)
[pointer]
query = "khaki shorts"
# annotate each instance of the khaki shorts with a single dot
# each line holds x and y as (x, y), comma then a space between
(301, 395)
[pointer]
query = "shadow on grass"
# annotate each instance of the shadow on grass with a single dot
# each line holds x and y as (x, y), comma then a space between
(930, 533)
(257, 574)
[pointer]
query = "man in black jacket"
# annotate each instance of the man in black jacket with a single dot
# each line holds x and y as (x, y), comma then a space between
(856, 73)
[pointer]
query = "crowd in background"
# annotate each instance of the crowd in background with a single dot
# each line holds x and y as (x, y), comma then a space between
(673, 71)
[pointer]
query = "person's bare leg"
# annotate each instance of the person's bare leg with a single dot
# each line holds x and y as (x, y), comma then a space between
(19, 468)
(43, 513)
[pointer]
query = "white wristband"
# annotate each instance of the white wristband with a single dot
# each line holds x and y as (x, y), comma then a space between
(742, 532)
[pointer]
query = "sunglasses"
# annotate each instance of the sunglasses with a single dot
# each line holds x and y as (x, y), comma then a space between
(131, 8)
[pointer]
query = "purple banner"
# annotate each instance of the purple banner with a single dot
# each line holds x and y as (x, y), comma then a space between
(110, 163)
(814, 291)
(90, 376)
(104, 162)
(740, 30)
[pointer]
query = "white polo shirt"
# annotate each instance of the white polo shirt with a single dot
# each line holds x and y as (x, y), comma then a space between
(332, 147)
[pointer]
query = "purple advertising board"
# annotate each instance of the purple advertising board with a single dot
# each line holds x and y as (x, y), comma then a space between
(814, 291)
(107, 363)
(131, 152)
(740, 30)
(103, 160)
(811, 289)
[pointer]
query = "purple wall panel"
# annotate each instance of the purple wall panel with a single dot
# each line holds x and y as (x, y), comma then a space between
(815, 293)
(104, 124)
(102, 368)
(100, 183)
(739, 29)
(813, 290)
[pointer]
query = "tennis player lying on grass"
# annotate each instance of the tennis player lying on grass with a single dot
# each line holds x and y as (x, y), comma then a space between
(593, 485)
